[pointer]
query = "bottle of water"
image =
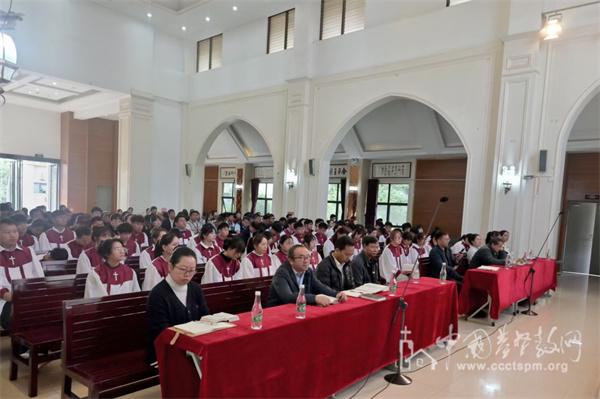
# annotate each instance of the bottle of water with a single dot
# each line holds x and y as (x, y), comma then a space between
(507, 261)
(443, 274)
(393, 285)
(301, 304)
(416, 275)
(257, 313)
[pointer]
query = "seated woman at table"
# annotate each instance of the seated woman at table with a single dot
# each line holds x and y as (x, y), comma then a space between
(258, 262)
(310, 242)
(176, 299)
(490, 254)
(112, 276)
(226, 265)
(476, 242)
(159, 268)
(396, 254)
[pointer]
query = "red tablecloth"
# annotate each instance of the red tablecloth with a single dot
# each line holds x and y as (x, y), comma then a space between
(316, 357)
(505, 286)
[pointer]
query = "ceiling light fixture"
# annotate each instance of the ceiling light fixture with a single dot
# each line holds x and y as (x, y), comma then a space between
(53, 83)
(207, 19)
(235, 8)
(149, 15)
(183, 28)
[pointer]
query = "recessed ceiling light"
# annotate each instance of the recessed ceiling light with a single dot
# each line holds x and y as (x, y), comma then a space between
(149, 15)
(234, 8)
(29, 92)
(53, 83)
(56, 93)
(183, 28)
(207, 19)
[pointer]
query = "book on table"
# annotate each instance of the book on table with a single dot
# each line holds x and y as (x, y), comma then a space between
(195, 328)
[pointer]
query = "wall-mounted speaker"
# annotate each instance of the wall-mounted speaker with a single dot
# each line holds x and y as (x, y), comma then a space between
(311, 167)
(188, 169)
(543, 160)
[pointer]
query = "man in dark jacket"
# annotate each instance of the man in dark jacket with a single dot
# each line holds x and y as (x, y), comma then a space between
(440, 254)
(490, 254)
(365, 266)
(335, 271)
(294, 272)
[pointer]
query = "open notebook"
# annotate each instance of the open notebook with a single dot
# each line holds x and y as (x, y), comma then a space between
(194, 328)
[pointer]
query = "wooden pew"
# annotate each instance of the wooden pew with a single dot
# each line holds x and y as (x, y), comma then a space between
(105, 338)
(235, 296)
(37, 321)
(59, 267)
(200, 267)
(423, 266)
(105, 345)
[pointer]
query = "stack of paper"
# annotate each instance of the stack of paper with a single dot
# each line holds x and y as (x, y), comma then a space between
(371, 288)
(194, 328)
(490, 268)
(219, 318)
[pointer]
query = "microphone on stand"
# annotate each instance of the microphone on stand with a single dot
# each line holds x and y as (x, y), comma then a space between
(531, 272)
(398, 378)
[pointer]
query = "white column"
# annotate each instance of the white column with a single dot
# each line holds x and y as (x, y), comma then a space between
(134, 161)
(517, 141)
(299, 117)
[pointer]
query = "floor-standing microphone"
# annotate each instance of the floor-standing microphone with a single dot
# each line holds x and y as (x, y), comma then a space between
(398, 378)
(531, 272)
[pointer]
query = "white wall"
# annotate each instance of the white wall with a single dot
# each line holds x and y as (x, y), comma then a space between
(29, 131)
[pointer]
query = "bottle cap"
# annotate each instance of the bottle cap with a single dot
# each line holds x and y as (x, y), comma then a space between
(257, 293)
(301, 285)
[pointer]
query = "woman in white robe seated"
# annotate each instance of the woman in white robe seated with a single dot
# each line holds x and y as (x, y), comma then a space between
(226, 265)
(112, 276)
(281, 256)
(258, 262)
(207, 246)
(148, 255)
(310, 242)
(159, 268)
(396, 254)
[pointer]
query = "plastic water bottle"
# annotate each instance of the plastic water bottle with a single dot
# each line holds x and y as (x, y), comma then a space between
(443, 274)
(301, 304)
(393, 285)
(507, 261)
(416, 275)
(257, 313)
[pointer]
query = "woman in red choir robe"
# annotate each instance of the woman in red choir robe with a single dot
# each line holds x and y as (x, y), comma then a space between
(159, 268)
(226, 265)
(258, 262)
(59, 235)
(281, 256)
(310, 242)
(81, 243)
(137, 222)
(90, 258)
(125, 232)
(147, 255)
(111, 277)
(207, 247)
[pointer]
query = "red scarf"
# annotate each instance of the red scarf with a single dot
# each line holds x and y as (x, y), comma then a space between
(282, 257)
(161, 265)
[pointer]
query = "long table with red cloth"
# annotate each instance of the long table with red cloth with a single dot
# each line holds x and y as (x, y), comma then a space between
(505, 286)
(315, 357)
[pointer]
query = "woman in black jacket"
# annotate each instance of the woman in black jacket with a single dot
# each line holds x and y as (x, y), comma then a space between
(176, 299)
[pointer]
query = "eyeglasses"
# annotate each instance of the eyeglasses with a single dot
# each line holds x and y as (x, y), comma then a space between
(185, 271)
(303, 257)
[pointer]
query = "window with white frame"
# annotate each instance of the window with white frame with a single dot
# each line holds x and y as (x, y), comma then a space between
(281, 31)
(264, 201)
(228, 196)
(392, 202)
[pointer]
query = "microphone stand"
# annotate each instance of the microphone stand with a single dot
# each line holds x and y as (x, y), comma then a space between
(531, 272)
(398, 378)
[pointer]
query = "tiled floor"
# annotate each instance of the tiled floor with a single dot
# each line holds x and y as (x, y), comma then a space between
(574, 308)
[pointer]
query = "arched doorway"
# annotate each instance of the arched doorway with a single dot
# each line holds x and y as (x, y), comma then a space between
(393, 161)
(579, 245)
(236, 170)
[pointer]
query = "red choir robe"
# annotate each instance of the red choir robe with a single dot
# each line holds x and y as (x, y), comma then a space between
(88, 260)
(204, 252)
(26, 240)
(255, 265)
(75, 249)
(155, 273)
(220, 268)
(106, 280)
(15, 265)
(54, 238)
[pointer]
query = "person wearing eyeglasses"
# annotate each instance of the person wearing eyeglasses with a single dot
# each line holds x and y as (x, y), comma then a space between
(295, 272)
(176, 299)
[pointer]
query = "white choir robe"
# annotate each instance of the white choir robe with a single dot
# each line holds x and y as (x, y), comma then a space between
(418, 252)
(105, 280)
(191, 243)
(254, 266)
(58, 237)
(278, 259)
(146, 257)
(315, 259)
(392, 259)
(329, 233)
(328, 248)
(18, 264)
(155, 273)
(87, 261)
(458, 247)
(205, 252)
(213, 275)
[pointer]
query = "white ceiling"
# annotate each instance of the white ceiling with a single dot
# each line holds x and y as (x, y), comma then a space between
(239, 143)
(177, 5)
(34, 90)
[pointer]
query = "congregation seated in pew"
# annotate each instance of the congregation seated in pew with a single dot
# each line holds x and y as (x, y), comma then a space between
(59, 234)
(258, 263)
(206, 246)
(112, 276)
(90, 258)
(148, 254)
(125, 234)
(281, 255)
(82, 241)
